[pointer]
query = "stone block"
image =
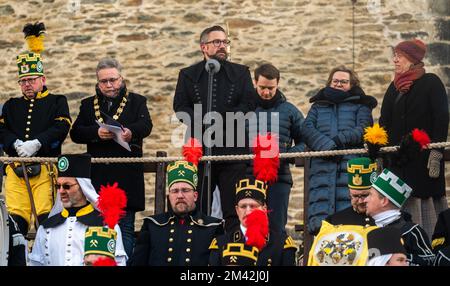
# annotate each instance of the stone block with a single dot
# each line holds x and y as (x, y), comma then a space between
(443, 29)
(132, 37)
(6, 10)
(439, 53)
(77, 38)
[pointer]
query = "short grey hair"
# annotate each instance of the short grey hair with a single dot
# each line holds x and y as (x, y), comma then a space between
(108, 63)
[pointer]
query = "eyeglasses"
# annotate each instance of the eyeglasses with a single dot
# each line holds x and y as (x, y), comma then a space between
(342, 81)
(64, 186)
(217, 42)
(183, 191)
(251, 206)
(109, 80)
(359, 197)
(31, 81)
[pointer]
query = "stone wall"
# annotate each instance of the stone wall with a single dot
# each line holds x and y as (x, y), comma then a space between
(154, 39)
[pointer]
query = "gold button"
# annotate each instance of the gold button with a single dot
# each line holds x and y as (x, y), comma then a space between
(188, 250)
(28, 122)
(170, 239)
(170, 249)
(172, 231)
(191, 223)
(172, 222)
(189, 240)
(32, 100)
(30, 110)
(188, 260)
(29, 116)
(28, 129)
(31, 105)
(169, 259)
(26, 136)
(190, 231)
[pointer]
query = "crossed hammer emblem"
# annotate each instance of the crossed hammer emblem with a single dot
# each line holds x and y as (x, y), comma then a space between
(181, 173)
(94, 243)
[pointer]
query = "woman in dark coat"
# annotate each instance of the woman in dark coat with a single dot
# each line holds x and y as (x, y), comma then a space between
(416, 99)
(336, 120)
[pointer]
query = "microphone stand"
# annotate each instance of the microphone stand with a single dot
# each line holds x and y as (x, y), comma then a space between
(212, 67)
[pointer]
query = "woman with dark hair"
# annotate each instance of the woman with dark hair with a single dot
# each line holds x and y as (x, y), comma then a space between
(336, 120)
(416, 99)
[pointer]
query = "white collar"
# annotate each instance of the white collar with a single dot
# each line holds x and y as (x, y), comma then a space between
(379, 260)
(88, 190)
(244, 230)
(386, 217)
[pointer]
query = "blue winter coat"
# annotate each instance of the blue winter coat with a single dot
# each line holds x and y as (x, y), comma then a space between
(289, 131)
(344, 122)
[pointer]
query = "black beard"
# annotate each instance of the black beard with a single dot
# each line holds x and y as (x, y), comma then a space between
(218, 58)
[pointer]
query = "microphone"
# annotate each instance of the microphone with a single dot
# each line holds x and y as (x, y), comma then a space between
(212, 66)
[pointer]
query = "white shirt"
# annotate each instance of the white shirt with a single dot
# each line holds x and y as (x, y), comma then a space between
(244, 231)
(63, 245)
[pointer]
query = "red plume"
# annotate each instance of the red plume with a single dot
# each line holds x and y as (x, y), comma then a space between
(266, 162)
(104, 261)
(112, 201)
(192, 151)
(257, 228)
(421, 137)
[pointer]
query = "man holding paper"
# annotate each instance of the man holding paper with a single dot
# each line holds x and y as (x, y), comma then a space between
(97, 126)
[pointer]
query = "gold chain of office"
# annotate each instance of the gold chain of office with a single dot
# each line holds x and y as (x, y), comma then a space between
(310, 154)
(118, 112)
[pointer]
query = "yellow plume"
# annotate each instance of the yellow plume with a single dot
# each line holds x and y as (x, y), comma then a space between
(376, 135)
(35, 44)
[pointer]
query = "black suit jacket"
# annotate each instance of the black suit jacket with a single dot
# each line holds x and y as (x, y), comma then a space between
(135, 117)
(169, 240)
(232, 92)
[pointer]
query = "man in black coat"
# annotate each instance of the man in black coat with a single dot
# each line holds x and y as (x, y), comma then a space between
(34, 124)
(238, 247)
(361, 174)
(232, 92)
(115, 105)
(181, 236)
(441, 239)
(386, 197)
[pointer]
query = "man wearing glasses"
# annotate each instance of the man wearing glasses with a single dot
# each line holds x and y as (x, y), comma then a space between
(34, 124)
(232, 92)
(362, 172)
(114, 104)
(181, 236)
(60, 239)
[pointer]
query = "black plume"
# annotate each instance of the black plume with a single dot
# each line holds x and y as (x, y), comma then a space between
(34, 29)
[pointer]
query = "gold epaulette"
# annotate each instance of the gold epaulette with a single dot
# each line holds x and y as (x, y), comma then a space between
(437, 241)
(289, 243)
(62, 118)
(213, 244)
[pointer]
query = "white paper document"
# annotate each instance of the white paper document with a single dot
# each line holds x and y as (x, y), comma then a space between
(117, 134)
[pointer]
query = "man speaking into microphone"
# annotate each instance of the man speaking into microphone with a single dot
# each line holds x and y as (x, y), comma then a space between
(231, 95)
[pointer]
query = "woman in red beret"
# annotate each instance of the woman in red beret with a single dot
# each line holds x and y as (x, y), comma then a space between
(417, 99)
